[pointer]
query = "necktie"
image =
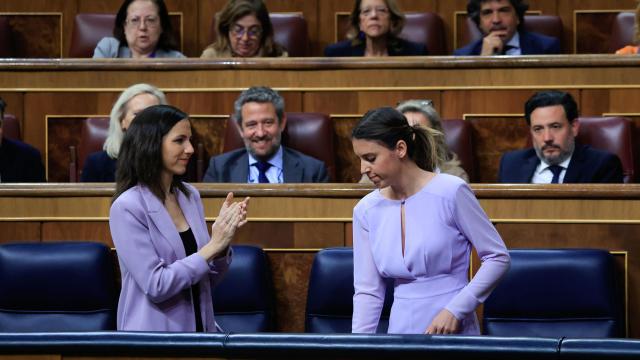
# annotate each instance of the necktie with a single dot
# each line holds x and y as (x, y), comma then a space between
(506, 48)
(556, 170)
(262, 166)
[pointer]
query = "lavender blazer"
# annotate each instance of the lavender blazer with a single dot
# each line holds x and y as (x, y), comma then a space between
(156, 274)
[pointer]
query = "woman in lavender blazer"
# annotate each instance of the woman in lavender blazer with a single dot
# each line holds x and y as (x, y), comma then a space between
(418, 228)
(168, 261)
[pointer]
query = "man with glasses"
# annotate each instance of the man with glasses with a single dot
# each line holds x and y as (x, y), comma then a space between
(19, 162)
(142, 30)
(502, 25)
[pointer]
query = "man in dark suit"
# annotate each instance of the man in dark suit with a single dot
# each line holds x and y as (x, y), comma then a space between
(19, 162)
(502, 25)
(552, 117)
(260, 117)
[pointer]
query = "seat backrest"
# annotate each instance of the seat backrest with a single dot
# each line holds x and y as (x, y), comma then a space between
(459, 137)
(54, 287)
(309, 133)
(88, 29)
(6, 39)
(289, 30)
(93, 134)
(330, 294)
(243, 302)
(425, 28)
(557, 293)
(613, 134)
(622, 31)
(11, 127)
(550, 25)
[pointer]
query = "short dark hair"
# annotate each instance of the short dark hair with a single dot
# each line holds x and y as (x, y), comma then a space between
(140, 158)
(166, 41)
(473, 10)
(551, 98)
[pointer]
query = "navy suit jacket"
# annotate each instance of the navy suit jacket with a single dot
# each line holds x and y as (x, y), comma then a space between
(233, 167)
(99, 167)
(345, 48)
(587, 165)
(20, 162)
(530, 44)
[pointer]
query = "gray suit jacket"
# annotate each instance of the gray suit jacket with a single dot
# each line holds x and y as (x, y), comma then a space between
(110, 47)
(233, 167)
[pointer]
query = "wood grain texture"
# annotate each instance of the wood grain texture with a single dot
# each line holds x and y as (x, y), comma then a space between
(94, 231)
(20, 231)
(196, 17)
(292, 221)
(290, 279)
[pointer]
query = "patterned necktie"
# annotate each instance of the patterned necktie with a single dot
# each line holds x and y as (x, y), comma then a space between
(262, 166)
(556, 170)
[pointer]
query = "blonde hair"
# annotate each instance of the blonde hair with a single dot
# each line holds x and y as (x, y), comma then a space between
(426, 108)
(114, 139)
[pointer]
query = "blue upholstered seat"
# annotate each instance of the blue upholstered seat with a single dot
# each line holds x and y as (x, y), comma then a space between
(555, 293)
(52, 287)
(243, 301)
(330, 296)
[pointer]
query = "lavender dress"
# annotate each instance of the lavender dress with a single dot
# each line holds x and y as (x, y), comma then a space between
(442, 222)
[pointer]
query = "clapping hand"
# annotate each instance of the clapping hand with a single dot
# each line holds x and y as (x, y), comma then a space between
(232, 216)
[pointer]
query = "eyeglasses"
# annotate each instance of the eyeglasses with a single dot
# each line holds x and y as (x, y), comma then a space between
(381, 11)
(253, 32)
(149, 21)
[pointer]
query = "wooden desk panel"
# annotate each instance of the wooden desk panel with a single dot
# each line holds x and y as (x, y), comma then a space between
(293, 221)
(345, 89)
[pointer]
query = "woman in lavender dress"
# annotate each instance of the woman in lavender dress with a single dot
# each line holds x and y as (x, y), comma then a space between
(418, 228)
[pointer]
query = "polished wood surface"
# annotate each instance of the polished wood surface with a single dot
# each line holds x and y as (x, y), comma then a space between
(293, 221)
(50, 97)
(586, 23)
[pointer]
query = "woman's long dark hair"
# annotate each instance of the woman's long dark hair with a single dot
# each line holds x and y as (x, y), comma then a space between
(387, 126)
(140, 158)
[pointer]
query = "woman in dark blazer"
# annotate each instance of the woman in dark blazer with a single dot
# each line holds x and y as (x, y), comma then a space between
(375, 26)
(101, 166)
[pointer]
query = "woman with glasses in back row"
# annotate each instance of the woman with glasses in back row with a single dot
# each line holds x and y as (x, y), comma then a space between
(244, 30)
(142, 30)
(375, 26)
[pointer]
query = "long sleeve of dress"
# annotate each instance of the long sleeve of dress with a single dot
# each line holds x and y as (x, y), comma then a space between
(368, 299)
(474, 224)
(158, 279)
